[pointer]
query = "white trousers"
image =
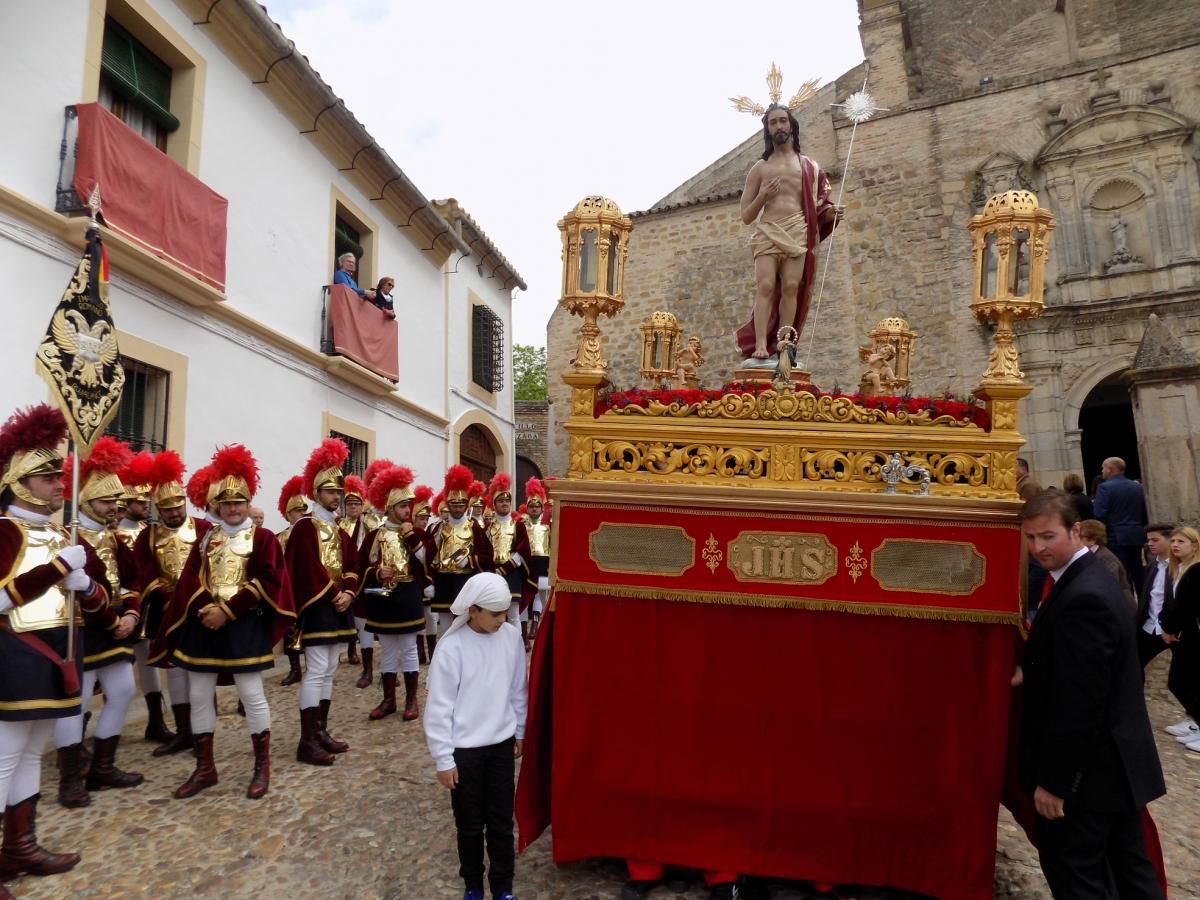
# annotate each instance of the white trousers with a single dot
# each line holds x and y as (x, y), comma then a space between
(319, 665)
(177, 686)
(116, 681)
(147, 674)
(397, 649)
(21, 745)
(201, 688)
(366, 639)
(431, 622)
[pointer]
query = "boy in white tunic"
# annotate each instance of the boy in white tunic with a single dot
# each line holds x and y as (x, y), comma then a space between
(475, 728)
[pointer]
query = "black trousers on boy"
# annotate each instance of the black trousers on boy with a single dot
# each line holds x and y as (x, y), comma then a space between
(483, 808)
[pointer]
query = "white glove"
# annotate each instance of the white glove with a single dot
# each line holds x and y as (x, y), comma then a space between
(543, 583)
(516, 559)
(74, 557)
(428, 592)
(5, 601)
(77, 581)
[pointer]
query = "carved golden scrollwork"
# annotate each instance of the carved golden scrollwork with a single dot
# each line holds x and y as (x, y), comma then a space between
(783, 462)
(669, 458)
(856, 562)
(581, 455)
(1004, 470)
(712, 554)
(953, 468)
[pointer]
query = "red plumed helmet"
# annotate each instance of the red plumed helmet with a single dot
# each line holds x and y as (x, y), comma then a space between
(197, 487)
(458, 482)
(501, 484)
(234, 468)
(98, 477)
(40, 427)
(391, 486)
(476, 490)
(139, 471)
(437, 503)
(324, 466)
(293, 491)
(168, 468)
(422, 493)
(535, 488)
(374, 467)
(356, 486)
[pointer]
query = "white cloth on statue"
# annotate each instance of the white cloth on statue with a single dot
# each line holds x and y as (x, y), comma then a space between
(487, 590)
(477, 694)
(201, 688)
(21, 746)
(320, 662)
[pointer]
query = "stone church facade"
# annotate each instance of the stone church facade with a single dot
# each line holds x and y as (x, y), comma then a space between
(1092, 104)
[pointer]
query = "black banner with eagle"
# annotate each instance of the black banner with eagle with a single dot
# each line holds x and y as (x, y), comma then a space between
(78, 356)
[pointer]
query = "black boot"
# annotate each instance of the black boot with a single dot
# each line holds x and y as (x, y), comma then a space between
(368, 672)
(71, 792)
(104, 773)
(183, 731)
(156, 725)
(352, 657)
(294, 674)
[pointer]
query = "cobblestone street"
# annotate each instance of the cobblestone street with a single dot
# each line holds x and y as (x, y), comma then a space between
(377, 825)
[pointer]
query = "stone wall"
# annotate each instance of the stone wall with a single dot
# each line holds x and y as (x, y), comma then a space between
(532, 421)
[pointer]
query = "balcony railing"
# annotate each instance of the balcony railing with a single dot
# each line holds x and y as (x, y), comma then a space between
(145, 195)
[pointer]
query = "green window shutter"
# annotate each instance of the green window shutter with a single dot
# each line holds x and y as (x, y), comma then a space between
(137, 74)
(346, 240)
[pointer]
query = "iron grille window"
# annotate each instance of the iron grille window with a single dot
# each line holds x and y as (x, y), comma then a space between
(487, 349)
(141, 419)
(356, 462)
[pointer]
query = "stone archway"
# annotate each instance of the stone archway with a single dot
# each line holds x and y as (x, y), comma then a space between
(1107, 428)
(526, 469)
(477, 453)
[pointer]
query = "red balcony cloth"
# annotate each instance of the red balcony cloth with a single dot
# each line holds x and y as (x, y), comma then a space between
(362, 332)
(151, 199)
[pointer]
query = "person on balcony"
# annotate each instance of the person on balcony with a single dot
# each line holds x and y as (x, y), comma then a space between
(383, 296)
(347, 266)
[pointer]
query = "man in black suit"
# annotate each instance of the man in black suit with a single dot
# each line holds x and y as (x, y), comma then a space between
(1121, 505)
(1155, 595)
(1087, 752)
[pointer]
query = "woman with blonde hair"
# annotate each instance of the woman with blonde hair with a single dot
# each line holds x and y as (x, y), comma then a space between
(1182, 621)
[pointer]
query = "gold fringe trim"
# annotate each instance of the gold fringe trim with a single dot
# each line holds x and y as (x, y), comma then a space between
(934, 613)
(695, 510)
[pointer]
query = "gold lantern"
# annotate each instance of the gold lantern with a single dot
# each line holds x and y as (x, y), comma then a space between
(595, 237)
(661, 335)
(1010, 240)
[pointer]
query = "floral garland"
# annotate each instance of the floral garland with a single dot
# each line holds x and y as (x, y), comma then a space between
(946, 405)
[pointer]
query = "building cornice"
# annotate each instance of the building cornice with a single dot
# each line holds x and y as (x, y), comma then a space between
(451, 210)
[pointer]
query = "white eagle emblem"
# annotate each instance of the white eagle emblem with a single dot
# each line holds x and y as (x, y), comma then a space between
(90, 348)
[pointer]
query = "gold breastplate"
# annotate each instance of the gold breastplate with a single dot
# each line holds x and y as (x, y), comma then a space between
(346, 524)
(226, 558)
(390, 550)
(42, 544)
(171, 549)
(372, 519)
(129, 536)
(105, 545)
(502, 535)
(455, 549)
(329, 537)
(539, 538)
(283, 537)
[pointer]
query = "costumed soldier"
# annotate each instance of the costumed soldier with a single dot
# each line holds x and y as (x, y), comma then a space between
(108, 653)
(537, 527)
(197, 492)
(475, 495)
(510, 548)
(160, 552)
(463, 548)
(138, 479)
(231, 607)
(38, 568)
(421, 508)
(393, 583)
(292, 506)
(323, 566)
(354, 523)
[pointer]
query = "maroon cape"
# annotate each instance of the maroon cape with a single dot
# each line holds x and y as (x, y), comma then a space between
(310, 579)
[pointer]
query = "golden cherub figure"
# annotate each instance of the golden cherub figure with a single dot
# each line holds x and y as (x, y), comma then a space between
(878, 377)
(690, 358)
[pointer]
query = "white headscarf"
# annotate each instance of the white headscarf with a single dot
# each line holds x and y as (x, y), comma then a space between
(487, 590)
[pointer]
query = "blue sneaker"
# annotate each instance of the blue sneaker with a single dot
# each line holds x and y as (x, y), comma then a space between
(473, 894)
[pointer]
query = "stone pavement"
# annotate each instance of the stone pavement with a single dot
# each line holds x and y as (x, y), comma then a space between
(377, 824)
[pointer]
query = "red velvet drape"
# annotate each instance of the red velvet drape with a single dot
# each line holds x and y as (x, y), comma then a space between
(148, 197)
(792, 743)
(362, 332)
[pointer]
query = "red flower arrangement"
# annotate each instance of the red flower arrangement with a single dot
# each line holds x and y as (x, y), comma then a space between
(947, 405)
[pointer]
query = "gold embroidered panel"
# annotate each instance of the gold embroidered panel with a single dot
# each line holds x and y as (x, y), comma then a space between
(943, 567)
(782, 557)
(642, 549)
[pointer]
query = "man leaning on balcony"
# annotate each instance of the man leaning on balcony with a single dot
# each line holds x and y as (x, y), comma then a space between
(347, 265)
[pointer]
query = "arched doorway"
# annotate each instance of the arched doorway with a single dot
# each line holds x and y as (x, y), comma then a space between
(475, 451)
(526, 469)
(1107, 429)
